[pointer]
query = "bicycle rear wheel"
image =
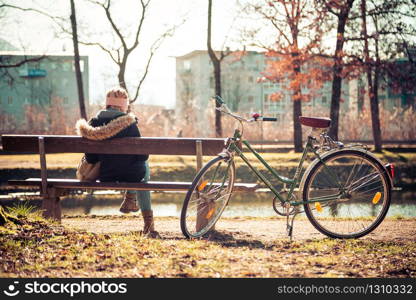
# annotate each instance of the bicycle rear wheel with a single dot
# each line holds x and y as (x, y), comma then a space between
(208, 196)
(349, 192)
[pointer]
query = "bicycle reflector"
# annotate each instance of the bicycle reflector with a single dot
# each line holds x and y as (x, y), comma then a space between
(376, 198)
(390, 169)
(210, 213)
(202, 185)
(318, 206)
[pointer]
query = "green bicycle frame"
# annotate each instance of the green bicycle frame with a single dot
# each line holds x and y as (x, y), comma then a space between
(291, 182)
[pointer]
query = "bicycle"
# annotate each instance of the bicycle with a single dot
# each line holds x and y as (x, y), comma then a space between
(339, 176)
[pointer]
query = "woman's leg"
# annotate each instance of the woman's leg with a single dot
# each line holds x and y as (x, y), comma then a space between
(144, 196)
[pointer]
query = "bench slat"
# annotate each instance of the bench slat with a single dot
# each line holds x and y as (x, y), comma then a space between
(149, 186)
(128, 145)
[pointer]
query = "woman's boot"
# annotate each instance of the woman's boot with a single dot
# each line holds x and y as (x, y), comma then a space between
(149, 224)
(129, 203)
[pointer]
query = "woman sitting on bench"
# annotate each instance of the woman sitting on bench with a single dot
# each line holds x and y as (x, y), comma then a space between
(114, 122)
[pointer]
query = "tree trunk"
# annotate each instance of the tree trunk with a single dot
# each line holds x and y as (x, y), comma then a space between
(121, 80)
(217, 75)
(217, 72)
(297, 128)
(375, 116)
(372, 85)
(122, 72)
(78, 73)
(337, 70)
(297, 106)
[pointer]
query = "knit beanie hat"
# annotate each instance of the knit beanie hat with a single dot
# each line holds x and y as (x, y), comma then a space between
(117, 97)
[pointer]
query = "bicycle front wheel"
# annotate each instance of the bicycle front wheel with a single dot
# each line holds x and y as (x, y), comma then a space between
(208, 196)
(348, 194)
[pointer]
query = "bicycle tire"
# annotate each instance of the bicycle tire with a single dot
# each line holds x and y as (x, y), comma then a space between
(191, 224)
(367, 186)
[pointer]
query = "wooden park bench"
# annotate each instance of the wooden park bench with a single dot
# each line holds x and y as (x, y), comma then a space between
(52, 189)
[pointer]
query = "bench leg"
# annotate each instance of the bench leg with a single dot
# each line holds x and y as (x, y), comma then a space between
(51, 205)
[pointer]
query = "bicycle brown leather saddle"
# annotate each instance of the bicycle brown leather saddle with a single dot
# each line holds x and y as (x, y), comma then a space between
(315, 122)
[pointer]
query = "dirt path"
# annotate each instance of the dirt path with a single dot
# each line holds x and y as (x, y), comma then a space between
(259, 229)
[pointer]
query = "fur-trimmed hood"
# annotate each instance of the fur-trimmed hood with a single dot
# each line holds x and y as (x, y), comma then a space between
(106, 131)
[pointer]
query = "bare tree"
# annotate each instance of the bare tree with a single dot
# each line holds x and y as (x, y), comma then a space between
(78, 73)
(120, 54)
(216, 62)
(341, 10)
(372, 82)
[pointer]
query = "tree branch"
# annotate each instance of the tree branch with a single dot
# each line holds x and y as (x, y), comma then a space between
(33, 10)
(139, 29)
(22, 62)
(155, 46)
(110, 19)
(117, 61)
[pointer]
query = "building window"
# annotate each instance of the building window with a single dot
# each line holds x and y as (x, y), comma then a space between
(324, 99)
(250, 79)
(53, 65)
(64, 82)
(266, 97)
(10, 99)
(250, 99)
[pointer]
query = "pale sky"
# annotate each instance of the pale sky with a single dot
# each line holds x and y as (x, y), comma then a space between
(33, 32)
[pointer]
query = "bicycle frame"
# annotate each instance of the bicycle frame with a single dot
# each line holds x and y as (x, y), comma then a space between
(292, 182)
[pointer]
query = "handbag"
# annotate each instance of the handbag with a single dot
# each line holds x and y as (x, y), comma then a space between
(87, 171)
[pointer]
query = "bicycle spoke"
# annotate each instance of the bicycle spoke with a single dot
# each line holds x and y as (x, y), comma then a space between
(377, 176)
(359, 168)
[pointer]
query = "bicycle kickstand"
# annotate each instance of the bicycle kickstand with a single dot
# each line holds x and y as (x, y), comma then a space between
(289, 225)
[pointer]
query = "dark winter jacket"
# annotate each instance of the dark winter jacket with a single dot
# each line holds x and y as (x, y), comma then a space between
(108, 124)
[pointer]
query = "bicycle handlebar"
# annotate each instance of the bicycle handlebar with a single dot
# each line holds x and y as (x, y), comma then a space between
(219, 100)
(255, 117)
(270, 119)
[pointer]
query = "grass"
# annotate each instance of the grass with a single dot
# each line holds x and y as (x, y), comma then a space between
(39, 248)
(23, 209)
